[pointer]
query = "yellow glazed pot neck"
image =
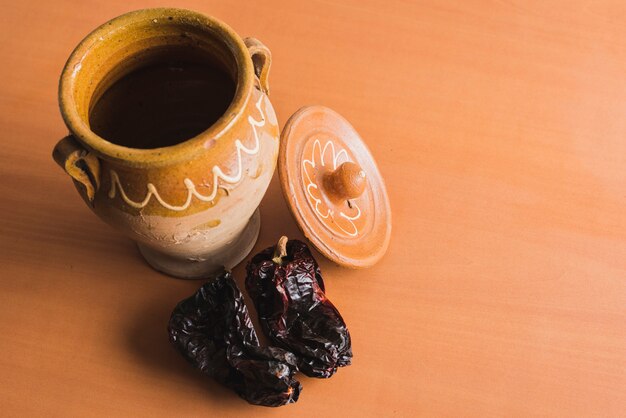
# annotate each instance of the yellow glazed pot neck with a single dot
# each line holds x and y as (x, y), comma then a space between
(115, 48)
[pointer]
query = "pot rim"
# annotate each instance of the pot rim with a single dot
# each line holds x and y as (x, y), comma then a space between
(165, 155)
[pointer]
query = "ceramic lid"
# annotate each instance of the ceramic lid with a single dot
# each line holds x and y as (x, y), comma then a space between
(333, 187)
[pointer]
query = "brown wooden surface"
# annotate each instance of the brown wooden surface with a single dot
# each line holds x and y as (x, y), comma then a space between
(500, 128)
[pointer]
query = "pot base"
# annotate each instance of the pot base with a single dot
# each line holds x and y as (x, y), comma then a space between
(226, 257)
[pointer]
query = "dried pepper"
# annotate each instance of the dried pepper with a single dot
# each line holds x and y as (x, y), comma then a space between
(213, 331)
(287, 288)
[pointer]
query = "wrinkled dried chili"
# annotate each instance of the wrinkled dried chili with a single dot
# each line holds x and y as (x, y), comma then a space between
(287, 288)
(213, 331)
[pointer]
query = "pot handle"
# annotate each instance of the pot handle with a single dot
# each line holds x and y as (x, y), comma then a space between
(82, 165)
(262, 60)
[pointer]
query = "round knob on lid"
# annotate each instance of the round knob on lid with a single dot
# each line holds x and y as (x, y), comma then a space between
(346, 182)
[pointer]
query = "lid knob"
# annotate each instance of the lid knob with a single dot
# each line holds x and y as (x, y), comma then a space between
(346, 182)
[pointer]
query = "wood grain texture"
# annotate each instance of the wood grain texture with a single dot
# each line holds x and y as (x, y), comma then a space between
(499, 127)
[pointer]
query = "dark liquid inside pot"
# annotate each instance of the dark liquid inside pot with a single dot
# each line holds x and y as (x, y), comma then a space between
(162, 104)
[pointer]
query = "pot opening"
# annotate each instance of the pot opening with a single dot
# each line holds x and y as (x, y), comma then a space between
(156, 83)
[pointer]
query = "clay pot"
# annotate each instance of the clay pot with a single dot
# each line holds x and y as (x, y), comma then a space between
(191, 205)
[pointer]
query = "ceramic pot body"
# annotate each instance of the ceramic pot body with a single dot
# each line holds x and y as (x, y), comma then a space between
(191, 205)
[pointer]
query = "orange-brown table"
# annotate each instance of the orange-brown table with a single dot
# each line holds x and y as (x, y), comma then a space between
(500, 128)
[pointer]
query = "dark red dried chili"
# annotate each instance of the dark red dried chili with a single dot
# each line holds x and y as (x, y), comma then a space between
(213, 331)
(287, 288)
